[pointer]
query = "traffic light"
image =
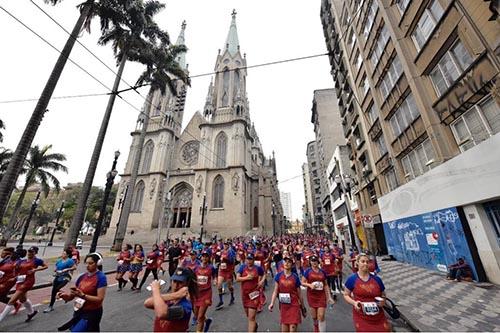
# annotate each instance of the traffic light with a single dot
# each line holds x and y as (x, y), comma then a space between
(494, 4)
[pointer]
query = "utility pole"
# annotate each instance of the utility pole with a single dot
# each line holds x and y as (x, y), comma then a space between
(203, 209)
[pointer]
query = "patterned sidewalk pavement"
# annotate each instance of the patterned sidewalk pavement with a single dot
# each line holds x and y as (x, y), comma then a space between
(432, 303)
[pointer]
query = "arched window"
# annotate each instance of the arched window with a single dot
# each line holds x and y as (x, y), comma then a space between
(138, 197)
(155, 104)
(218, 192)
(236, 81)
(255, 217)
(148, 156)
(225, 87)
(220, 150)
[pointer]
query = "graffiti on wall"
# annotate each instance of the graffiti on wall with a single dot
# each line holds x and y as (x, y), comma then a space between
(433, 240)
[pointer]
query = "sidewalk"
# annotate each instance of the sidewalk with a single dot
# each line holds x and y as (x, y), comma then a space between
(432, 303)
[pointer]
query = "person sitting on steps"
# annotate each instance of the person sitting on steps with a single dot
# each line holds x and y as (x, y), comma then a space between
(460, 270)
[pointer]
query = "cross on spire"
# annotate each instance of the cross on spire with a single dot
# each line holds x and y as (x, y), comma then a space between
(233, 14)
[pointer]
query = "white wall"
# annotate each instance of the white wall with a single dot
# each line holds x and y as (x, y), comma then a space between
(472, 176)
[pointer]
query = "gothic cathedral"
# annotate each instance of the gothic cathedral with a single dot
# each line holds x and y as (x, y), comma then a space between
(217, 159)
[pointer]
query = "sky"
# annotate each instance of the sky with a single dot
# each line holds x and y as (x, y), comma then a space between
(280, 95)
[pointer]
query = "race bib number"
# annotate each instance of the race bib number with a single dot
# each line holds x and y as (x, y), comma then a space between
(78, 303)
(223, 265)
(120, 262)
(370, 308)
(258, 263)
(202, 280)
(254, 294)
(318, 285)
(327, 262)
(149, 261)
(284, 298)
(20, 278)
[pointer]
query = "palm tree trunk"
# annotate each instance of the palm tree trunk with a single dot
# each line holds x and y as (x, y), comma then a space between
(9, 230)
(122, 223)
(15, 166)
(76, 223)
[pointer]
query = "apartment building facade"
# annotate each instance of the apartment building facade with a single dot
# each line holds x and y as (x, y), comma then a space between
(418, 91)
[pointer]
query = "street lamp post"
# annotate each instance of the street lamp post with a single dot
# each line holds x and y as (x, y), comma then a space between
(344, 183)
(203, 209)
(59, 214)
(274, 220)
(110, 177)
(34, 205)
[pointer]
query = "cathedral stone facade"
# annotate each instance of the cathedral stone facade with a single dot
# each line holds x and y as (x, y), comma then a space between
(218, 158)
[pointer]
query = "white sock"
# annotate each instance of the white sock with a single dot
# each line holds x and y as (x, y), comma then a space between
(322, 326)
(8, 308)
(28, 306)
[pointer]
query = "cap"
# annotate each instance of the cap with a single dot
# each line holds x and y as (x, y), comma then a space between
(33, 249)
(250, 256)
(181, 275)
(288, 258)
(313, 258)
(205, 253)
(193, 253)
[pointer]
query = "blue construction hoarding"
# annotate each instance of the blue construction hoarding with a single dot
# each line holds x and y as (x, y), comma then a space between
(432, 240)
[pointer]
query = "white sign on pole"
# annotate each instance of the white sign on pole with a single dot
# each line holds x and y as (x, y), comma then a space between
(368, 221)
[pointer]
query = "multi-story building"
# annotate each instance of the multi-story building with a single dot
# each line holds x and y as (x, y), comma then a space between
(308, 207)
(286, 203)
(328, 134)
(419, 95)
(315, 175)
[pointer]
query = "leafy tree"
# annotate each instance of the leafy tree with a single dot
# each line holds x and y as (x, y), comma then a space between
(39, 166)
(2, 126)
(5, 156)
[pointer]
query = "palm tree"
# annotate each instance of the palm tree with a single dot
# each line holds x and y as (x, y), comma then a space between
(5, 156)
(162, 72)
(107, 10)
(39, 167)
(129, 34)
(2, 126)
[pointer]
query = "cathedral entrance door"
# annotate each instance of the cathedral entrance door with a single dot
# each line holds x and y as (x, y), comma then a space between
(182, 206)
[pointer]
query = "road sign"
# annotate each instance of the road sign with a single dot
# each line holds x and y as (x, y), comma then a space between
(368, 221)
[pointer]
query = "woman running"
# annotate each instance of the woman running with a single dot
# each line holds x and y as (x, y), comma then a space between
(204, 272)
(87, 296)
(25, 280)
(191, 261)
(136, 265)
(64, 268)
(123, 267)
(328, 265)
(366, 293)
(252, 280)
(8, 275)
(318, 293)
(151, 265)
(173, 310)
(287, 289)
(226, 270)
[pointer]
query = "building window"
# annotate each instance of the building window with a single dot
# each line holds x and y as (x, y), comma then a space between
(391, 77)
(365, 86)
(406, 113)
(419, 160)
(138, 198)
(391, 179)
(336, 194)
(427, 22)
(450, 66)
(220, 150)
(379, 47)
(381, 147)
(359, 60)
(372, 193)
(370, 18)
(477, 124)
(402, 5)
(340, 212)
(218, 192)
(148, 156)
(372, 114)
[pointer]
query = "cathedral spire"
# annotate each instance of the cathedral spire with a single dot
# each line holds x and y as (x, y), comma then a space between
(232, 43)
(181, 58)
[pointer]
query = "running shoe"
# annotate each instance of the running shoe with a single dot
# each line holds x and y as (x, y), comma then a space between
(48, 309)
(219, 306)
(30, 316)
(194, 321)
(208, 322)
(232, 301)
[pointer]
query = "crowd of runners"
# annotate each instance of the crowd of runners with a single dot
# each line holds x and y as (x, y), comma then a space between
(305, 275)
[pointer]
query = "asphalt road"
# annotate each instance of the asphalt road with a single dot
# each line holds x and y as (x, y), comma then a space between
(124, 311)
